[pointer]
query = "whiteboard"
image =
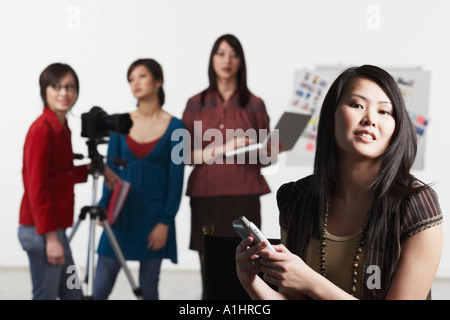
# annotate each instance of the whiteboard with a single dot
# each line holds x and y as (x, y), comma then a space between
(311, 86)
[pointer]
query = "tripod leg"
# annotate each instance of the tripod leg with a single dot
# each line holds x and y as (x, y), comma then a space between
(120, 257)
(74, 229)
(81, 217)
(90, 263)
(95, 212)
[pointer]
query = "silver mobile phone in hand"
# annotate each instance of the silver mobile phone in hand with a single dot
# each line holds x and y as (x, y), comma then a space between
(245, 228)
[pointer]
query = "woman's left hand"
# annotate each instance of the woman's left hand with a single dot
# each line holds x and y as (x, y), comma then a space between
(158, 237)
(285, 269)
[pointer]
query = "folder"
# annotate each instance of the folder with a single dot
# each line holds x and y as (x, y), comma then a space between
(118, 197)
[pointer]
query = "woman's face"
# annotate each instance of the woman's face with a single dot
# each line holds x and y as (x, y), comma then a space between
(62, 96)
(364, 121)
(142, 83)
(226, 63)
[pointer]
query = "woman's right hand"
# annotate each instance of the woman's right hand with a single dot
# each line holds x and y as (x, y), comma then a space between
(237, 142)
(111, 178)
(248, 266)
(247, 260)
(217, 150)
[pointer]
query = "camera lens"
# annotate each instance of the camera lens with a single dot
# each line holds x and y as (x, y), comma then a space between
(120, 123)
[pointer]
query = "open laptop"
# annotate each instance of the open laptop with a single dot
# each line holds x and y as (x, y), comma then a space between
(290, 127)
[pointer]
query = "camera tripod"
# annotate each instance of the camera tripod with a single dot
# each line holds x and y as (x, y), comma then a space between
(97, 213)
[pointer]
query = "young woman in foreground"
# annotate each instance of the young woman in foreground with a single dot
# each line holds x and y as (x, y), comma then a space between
(361, 226)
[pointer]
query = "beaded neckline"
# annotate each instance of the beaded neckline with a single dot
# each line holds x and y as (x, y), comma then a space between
(356, 258)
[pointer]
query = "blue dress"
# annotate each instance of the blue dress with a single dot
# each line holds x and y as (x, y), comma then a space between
(154, 197)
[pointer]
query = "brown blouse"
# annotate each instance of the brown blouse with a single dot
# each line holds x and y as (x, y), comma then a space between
(224, 178)
(420, 211)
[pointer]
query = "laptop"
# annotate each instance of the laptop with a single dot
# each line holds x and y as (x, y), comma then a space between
(290, 127)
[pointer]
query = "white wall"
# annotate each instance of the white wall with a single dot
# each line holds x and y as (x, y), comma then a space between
(101, 38)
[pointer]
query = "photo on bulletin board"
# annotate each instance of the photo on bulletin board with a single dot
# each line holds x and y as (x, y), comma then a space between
(311, 86)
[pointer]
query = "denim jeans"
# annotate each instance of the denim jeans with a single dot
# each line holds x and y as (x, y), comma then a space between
(49, 281)
(108, 269)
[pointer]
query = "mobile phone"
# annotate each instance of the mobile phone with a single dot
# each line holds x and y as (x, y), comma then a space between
(245, 228)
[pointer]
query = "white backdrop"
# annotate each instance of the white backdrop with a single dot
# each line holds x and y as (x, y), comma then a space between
(100, 39)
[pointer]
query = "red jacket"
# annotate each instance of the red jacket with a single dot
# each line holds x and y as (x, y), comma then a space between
(49, 175)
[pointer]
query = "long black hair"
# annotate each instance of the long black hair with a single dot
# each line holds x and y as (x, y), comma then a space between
(244, 93)
(155, 70)
(394, 179)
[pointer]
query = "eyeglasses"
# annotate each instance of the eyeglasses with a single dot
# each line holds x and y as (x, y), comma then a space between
(69, 87)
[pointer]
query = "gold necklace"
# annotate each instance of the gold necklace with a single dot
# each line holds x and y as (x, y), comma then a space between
(356, 257)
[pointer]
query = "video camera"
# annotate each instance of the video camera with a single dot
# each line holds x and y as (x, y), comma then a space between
(97, 123)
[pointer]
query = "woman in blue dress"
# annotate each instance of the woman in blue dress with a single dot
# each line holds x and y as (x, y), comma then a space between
(145, 228)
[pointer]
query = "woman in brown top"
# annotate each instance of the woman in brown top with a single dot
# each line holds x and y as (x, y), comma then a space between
(361, 226)
(222, 189)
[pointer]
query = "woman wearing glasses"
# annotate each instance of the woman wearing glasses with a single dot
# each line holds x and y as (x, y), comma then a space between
(49, 176)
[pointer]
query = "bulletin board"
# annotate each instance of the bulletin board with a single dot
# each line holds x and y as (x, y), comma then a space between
(311, 86)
